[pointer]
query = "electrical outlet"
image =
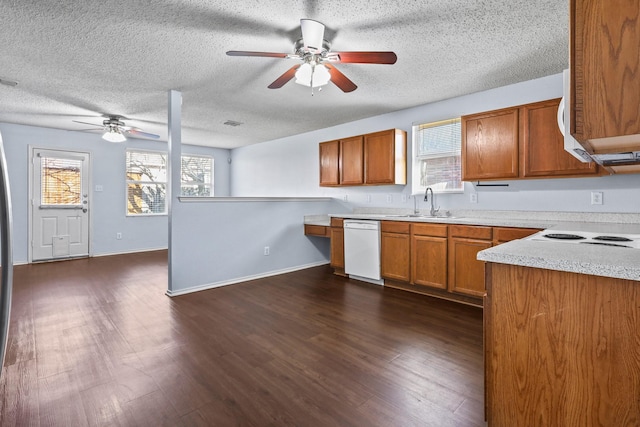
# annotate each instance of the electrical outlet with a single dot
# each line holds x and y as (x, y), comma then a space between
(389, 198)
(368, 198)
(266, 251)
(403, 198)
(473, 198)
(119, 236)
(345, 198)
(596, 198)
(98, 188)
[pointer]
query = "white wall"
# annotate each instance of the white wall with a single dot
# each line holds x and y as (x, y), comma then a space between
(108, 211)
(289, 166)
(222, 242)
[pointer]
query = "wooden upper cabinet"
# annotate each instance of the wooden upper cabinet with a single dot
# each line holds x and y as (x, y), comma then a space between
(543, 144)
(378, 158)
(330, 163)
(351, 161)
(490, 145)
(385, 157)
(605, 65)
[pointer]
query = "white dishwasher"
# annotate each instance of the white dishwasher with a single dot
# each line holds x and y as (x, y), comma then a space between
(362, 250)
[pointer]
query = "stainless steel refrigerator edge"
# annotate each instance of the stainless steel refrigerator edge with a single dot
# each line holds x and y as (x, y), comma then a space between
(6, 260)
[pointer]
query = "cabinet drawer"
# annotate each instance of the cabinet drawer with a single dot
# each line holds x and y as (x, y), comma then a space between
(506, 234)
(471, 232)
(395, 227)
(437, 230)
(337, 222)
(316, 230)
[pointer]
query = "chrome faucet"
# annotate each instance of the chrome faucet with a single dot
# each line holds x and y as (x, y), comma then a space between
(433, 211)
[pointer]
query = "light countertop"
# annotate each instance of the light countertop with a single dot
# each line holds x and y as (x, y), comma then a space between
(607, 261)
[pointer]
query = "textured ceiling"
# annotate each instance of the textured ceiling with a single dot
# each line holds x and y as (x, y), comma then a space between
(77, 60)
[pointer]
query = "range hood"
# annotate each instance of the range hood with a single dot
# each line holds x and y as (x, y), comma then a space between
(618, 155)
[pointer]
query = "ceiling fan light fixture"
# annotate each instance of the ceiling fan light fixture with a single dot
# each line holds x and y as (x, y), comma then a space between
(317, 74)
(114, 135)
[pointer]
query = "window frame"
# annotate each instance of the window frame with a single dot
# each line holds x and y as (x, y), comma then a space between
(128, 181)
(417, 188)
(210, 184)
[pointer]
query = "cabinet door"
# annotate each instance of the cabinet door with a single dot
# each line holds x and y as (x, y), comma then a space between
(543, 144)
(330, 163)
(605, 63)
(337, 247)
(351, 161)
(429, 261)
(395, 251)
(490, 145)
(379, 157)
(466, 273)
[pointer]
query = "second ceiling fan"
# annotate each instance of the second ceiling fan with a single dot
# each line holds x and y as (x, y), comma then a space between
(317, 68)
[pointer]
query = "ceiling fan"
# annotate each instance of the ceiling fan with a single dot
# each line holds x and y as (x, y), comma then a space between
(317, 59)
(115, 129)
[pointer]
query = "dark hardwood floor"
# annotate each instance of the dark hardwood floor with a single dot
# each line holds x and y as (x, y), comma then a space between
(96, 342)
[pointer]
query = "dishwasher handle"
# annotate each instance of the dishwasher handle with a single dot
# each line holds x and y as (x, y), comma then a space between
(362, 225)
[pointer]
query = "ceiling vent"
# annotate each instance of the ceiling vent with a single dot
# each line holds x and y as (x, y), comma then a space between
(232, 123)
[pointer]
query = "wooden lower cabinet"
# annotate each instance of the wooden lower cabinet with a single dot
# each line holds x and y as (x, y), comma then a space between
(429, 255)
(395, 251)
(562, 349)
(466, 273)
(337, 245)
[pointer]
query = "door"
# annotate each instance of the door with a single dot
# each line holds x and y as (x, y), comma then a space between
(59, 205)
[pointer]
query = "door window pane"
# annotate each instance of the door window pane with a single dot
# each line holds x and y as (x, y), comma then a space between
(61, 181)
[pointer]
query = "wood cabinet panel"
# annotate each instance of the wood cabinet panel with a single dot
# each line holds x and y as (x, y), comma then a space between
(436, 230)
(385, 157)
(471, 231)
(507, 234)
(329, 163)
(466, 273)
(395, 256)
(337, 248)
(395, 227)
(543, 144)
(429, 261)
(351, 161)
(605, 64)
(561, 348)
(316, 230)
(490, 145)
(378, 158)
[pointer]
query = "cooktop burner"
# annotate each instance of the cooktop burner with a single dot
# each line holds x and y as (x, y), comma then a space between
(613, 238)
(563, 236)
(602, 237)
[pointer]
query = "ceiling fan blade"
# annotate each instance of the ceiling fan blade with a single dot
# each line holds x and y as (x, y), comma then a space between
(283, 79)
(365, 57)
(138, 132)
(90, 124)
(263, 54)
(312, 34)
(340, 79)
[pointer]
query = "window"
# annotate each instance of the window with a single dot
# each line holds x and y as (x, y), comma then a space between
(146, 183)
(147, 180)
(197, 176)
(61, 181)
(437, 156)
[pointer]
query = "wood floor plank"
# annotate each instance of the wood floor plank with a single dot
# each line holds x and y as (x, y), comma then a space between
(97, 342)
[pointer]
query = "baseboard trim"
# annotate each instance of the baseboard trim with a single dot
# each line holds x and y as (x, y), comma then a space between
(242, 279)
(134, 251)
